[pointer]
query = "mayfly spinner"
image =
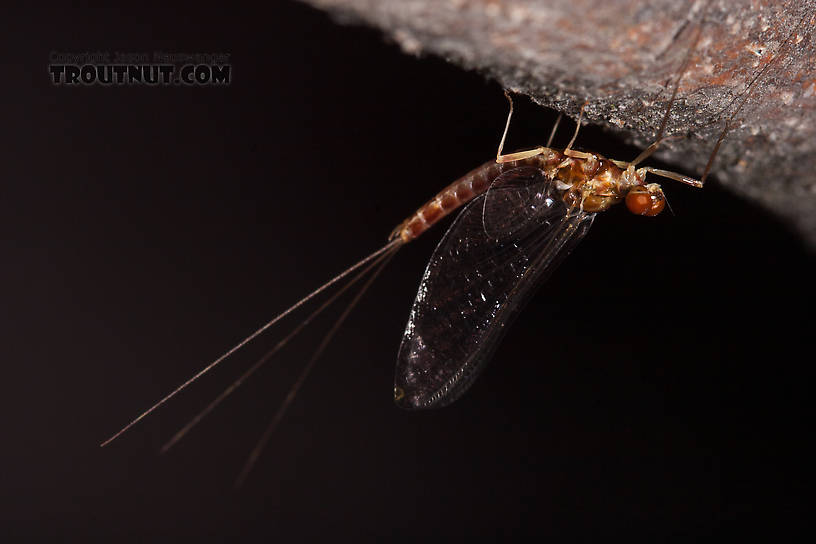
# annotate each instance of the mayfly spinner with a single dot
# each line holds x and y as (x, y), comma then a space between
(523, 213)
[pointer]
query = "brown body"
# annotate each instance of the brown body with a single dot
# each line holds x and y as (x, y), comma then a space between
(588, 181)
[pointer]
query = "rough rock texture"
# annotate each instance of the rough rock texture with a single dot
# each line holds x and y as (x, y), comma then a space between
(756, 58)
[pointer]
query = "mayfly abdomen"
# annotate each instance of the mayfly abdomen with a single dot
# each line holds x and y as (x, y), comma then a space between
(455, 195)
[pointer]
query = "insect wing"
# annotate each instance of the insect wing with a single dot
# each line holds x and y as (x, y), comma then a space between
(500, 247)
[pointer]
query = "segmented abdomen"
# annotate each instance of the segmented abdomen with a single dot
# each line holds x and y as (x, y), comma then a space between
(458, 193)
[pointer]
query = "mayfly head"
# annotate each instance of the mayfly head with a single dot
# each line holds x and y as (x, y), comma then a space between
(647, 200)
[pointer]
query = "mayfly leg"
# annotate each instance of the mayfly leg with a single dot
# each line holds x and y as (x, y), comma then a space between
(293, 391)
(555, 127)
(393, 245)
(181, 433)
(501, 158)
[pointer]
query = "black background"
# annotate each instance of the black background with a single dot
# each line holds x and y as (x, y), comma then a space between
(654, 387)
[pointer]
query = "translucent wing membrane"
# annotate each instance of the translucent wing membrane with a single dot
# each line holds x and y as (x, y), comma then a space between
(502, 245)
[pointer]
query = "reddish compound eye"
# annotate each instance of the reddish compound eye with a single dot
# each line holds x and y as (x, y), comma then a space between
(643, 201)
(638, 200)
(658, 203)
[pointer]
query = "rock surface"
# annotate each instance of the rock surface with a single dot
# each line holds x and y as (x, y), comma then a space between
(752, 65)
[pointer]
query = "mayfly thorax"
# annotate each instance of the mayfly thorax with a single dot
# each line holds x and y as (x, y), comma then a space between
(522, 214)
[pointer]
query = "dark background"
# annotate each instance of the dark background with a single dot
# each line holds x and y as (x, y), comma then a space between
(654, 387)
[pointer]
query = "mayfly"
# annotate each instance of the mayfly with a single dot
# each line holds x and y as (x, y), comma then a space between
(522, 215)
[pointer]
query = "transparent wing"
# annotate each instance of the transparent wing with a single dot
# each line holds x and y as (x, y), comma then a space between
(500, 247)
